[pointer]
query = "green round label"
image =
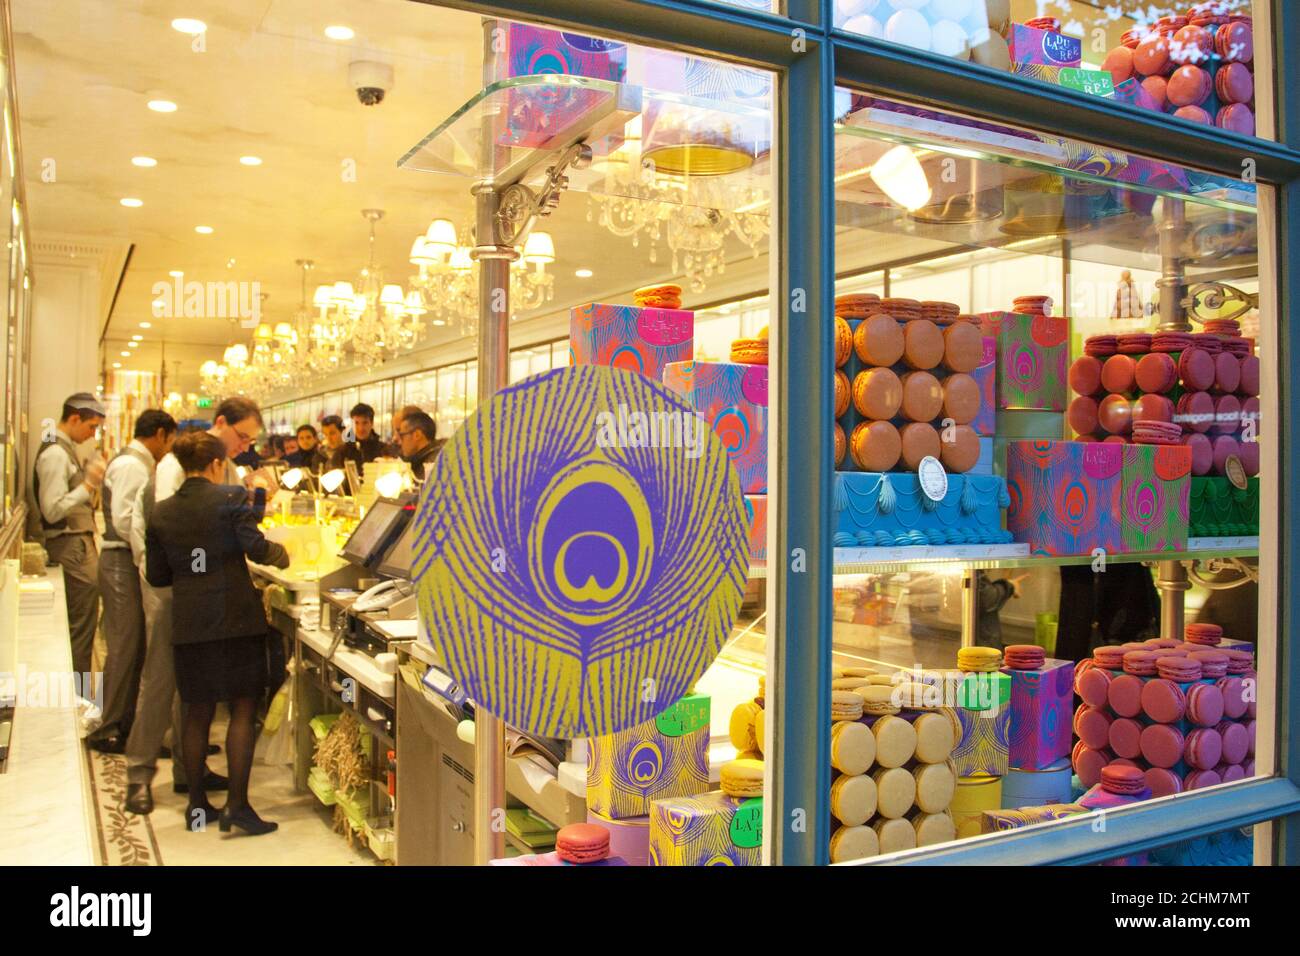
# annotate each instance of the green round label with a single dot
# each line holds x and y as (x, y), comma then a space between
(746, 829)
(684, 717)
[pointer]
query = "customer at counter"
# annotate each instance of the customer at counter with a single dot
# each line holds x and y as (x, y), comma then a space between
(304, 455)
(418, 440)
(395, 448)
(197, 543)
(329, 452)
(366, 445)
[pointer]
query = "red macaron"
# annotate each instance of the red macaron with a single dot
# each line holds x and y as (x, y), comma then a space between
(1123, 779)
(1085, 375)
(1204, 705)
(1162, 745)
(1163, 701)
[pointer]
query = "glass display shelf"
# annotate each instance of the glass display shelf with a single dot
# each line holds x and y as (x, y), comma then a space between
(998, 187)
(646, 144)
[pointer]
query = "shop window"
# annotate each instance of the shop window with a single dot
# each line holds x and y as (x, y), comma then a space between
(1066, 352)
(1194, 60)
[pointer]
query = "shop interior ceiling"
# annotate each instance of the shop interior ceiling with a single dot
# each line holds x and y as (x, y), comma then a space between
(268, 83)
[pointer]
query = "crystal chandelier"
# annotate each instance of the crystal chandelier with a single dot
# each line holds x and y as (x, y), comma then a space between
(448, 275)
(373, 320)
(692, 215)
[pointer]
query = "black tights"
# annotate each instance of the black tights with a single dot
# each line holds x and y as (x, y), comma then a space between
(239, 749)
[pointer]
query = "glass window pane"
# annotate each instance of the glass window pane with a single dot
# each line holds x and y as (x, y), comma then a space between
(1068, 341)
(1153, 56)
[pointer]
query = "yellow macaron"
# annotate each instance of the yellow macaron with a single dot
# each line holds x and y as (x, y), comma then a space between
(979, 658)
(742, 778)
(741, 728)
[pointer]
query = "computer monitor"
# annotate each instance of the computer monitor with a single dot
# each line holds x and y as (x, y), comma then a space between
(377, 530)
(397, 562)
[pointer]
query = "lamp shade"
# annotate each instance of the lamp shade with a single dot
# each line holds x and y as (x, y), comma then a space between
(342, 294)
(263, 332)
(292, 478)
(421, 252)
(441, 236)
(539, 248)
(324, 296)
(331, 480)
(283, 330)
(415, 303)
(391, 295)
(208, 368)
(899, 175)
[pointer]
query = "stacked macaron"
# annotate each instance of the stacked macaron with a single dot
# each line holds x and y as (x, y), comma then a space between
(908, 366)
(1199, 66)
(1178, 714)
(754, 351)
(892, 776)
(1171, 388)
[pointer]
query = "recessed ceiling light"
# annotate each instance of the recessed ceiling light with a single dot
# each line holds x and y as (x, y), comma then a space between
(146, 325)
(132, 202)
(117, 365)
(203, 230)
(124, 354)
(146, 162)
(339, 32)
(583, 273)
(132, 345)
(251, 160)
(137, 338)
(162, 106)
(188, 25)
(176, 273)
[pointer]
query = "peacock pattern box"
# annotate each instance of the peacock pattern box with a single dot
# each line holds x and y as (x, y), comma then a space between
(756, 512)
(664, 757)
(986, 376)
(983, 714)
(1041, 705)
(732, 398)
(1156, 495)
(1065, 496)
(709, 830)
(631, 338)
(1032, 355)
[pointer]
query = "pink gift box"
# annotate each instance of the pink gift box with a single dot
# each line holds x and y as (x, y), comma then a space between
(1065, 496)
(535, 116)
(986, 376)
(1040, 714)
(756, 512)
(1098, 798)
(1045, 47)
(732, 398)
(629, 337)
(1033, 351)
(629, 839)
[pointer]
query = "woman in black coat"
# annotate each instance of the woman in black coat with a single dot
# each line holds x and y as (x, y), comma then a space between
(196, 544)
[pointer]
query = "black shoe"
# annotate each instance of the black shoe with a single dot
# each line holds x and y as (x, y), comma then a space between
(247, 820)
(200, 816)
(212, 783)
(109, 745)
(139, 799)
(165, 753)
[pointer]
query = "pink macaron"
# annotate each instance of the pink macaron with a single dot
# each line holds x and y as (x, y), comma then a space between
(1248, 383)
(1123, 779)
(1093, 685)
(1203, 748)
(1248, 453)
(1214, 664)
(1227, 372)
(1250, 738)
(1234, 696)
(1234, 83)
(1153, 408)
(1203, 633)
(1115, 413)
(1082, 415)
(1088, 763)
(1125, 737)
(1141, 662)
(1119, 374)
(1195, 114)
(1085, 375)
(1180, 670)
(1225, 447)
(1125, 695)
(1202, 453)
(1162, 745)
(1227, 413)
(1109, 656)
(1195, 411)
(1092, 726)
(1236, 745)
(1196, 369)
(1162, 782)
(1236, 118)
(1204, 705)
(1239, 661)
(1156, 372)
(1230, 772)
(1201, 778)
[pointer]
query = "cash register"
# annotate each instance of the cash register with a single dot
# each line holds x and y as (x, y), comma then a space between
(374, 587)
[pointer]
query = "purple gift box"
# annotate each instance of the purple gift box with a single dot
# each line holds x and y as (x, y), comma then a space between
(986, 376)
(1065, 496)
(1044, 47)
(1098, 798)
(1040, 714)
(629, 337)
(732, 398)
(536, 115)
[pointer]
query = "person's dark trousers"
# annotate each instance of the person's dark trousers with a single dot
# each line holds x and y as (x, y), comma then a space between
(119, 587)
(158, 706)
(75, 553)
(1076, 613)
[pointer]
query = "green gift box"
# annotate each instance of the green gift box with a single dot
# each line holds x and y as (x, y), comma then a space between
(1033, 351)
(1219, 509)
(1154, 497)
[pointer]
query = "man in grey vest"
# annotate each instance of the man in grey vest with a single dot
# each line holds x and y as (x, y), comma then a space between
(65, 492)
(119, 581)
(237, 422)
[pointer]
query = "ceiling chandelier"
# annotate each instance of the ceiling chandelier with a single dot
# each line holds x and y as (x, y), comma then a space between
(692, 214)
(372, 319)
(448, 275)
